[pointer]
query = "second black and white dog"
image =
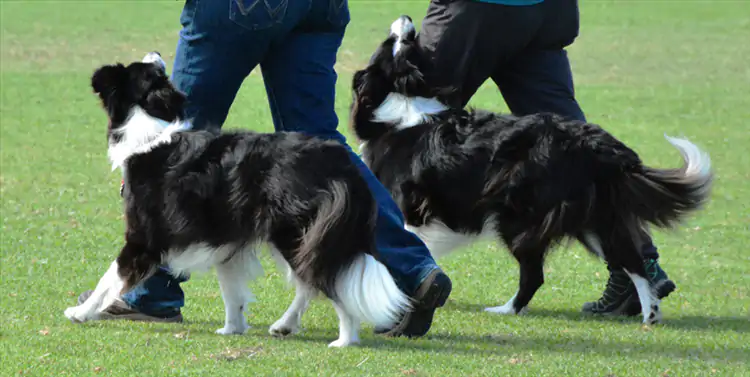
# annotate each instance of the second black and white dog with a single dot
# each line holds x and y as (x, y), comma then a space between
(195, 200)
(530, 182)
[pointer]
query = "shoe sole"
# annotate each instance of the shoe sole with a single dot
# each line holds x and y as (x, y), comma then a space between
(139, 317)
(431, 294)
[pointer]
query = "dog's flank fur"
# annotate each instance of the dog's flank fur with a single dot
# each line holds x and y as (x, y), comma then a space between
(194, 200)
(533, 181)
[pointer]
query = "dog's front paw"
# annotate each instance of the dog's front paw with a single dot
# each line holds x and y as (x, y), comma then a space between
(340, 343)
(232, 330)
(506, 310)
(76, 315)
(282, 328)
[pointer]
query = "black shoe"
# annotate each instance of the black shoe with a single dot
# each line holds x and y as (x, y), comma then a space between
(431, 294)
(120, 310)
(617, 296)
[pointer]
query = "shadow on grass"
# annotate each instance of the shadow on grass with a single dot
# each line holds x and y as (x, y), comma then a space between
(675, 321)
(507, 345)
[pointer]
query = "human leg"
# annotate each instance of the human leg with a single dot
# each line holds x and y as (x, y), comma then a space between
(300, 81)
(463, 42)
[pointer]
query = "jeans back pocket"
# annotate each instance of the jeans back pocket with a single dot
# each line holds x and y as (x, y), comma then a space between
(257, 14)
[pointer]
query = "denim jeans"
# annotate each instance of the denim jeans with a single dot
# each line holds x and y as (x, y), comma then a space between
(294, 42)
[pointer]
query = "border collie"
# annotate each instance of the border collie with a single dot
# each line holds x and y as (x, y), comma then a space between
(530, 182)
(196, 200)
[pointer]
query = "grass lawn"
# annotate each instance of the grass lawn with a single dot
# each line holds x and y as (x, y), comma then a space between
(643, 68)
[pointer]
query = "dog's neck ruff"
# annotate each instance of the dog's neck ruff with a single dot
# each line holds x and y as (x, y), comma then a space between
(404, 112)
(140, 134)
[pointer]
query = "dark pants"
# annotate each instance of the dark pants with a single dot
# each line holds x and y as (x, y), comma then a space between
(520, 48)
(294, 42)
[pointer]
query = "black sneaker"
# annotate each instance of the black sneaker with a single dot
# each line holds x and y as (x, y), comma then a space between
(121, 310)
(431, 294)
(617, 296)
(621, 298)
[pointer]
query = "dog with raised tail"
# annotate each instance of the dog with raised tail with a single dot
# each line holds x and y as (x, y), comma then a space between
(529, 182)
(195, 200)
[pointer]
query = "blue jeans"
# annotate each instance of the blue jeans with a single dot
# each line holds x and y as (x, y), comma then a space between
(295, 44)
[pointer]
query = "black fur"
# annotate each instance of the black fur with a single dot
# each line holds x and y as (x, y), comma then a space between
(301, 194)
(539, 179)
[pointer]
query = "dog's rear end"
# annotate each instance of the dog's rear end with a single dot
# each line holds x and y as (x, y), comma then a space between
(647, 196)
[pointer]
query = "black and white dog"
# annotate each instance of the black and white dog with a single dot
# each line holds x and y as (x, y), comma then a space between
(530, 182)
(195, 200)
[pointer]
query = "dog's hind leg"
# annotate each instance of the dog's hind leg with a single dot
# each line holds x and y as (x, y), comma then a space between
(620, 251)
(234, 275)
(289, 323)
(531, 263)
(348, 328)
(649, 301)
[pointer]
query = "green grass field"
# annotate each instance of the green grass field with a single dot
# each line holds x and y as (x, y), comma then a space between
(643, 69)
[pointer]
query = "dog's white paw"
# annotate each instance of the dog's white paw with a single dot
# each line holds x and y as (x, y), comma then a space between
(506, 310)
(282, 328)
(232, 330)
(652, 316)
(340, 343)
(76, 315)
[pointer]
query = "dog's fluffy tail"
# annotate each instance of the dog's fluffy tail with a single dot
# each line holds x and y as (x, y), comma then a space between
(367, 290)
(664, 197)
(337, 256)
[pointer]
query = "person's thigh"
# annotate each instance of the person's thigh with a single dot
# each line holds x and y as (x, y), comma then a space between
(464, 41)
(539, 81)
(539, 77)
(220, 43)
(299, 73)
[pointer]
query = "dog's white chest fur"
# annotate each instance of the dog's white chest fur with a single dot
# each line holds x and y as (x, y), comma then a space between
(404, 112)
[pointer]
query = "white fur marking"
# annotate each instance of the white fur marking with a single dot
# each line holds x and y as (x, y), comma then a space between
(233, 276)
(405, 112)
(140, 134)
(400, 28)
(107, 291)
(154, 57)
(507, 308)
(348, 328)
(291, 321)
(441, 240)
(649, 302)
(367, 291)
(698, 162)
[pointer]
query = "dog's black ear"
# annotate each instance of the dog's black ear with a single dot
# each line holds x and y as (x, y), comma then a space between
(108, 78)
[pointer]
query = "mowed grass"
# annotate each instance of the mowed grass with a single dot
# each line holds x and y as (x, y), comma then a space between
(643, 69)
